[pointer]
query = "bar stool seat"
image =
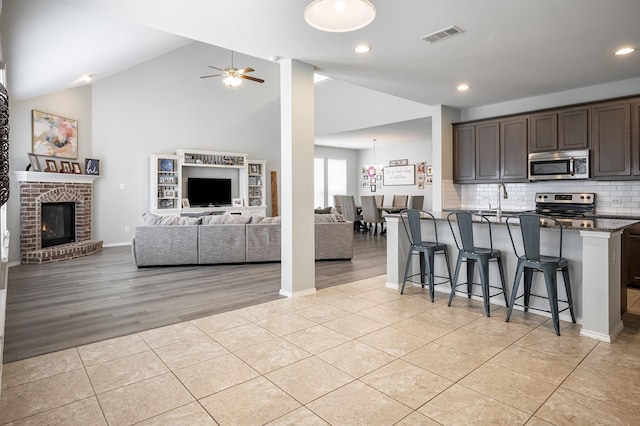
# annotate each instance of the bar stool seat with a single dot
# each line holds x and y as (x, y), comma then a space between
(425, 249)
(532, 261)
(470, 254)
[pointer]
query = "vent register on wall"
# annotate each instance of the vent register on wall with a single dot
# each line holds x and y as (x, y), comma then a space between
(195, 174)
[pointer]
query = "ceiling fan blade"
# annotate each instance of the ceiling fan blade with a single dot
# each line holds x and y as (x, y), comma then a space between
(245, 70)
(214, 75)
(215, 68)
(248, 77)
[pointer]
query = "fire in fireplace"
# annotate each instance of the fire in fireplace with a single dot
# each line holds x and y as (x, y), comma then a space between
(58, 223)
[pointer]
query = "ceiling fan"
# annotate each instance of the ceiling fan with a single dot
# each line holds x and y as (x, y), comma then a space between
(234, 75)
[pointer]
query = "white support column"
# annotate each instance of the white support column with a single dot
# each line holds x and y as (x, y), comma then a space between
(442, 141)
(298, 241)
(601, 285)
(397, 250)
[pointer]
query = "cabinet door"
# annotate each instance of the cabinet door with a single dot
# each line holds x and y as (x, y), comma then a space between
(543, 133)
(488, 151)
(611, 139)
(635, 136)
(513, 149)
(464, 165)
(573, 128)
(633, 254)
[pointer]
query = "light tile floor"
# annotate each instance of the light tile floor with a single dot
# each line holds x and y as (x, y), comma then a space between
(356, 354)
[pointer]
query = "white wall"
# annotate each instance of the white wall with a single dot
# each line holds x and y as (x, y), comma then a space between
(415, 152)
(73, 103)
(163, 105)
(341, 107)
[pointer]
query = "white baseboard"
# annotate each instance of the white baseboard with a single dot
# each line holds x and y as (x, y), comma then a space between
(116, 244)
(297, 293)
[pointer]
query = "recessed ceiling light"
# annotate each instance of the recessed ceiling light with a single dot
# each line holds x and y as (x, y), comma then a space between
(625, 51)
(463, 87)
(362, 48)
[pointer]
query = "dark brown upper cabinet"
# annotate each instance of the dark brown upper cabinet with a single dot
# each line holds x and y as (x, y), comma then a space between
(488, 151)
(491, 151)
(513, 150)
(464, 153)
(635, 136)
(564, 129)
(611, 139)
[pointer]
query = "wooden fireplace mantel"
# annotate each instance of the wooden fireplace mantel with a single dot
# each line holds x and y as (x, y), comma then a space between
(53, 177)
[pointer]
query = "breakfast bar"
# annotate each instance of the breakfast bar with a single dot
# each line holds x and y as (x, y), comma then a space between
(594, 256)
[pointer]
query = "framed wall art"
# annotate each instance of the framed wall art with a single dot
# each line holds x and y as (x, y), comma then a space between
(76, 168)
(51, 166)
(65, 167)
(92, 166)
(54, 136)
(35, 163)
(399, 175)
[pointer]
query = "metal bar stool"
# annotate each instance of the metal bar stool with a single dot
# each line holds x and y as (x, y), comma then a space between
(532, 261)
(470, 254)
(426, 249)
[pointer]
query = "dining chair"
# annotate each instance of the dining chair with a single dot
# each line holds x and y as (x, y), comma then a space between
(379, 200)
(349, 211)
(416, 202)
(337, 202)
(371, 214)
(470, 254)
(532, 260)
(400, 201)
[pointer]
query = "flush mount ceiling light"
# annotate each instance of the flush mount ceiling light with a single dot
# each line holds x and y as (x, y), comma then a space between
(338, 16)
(625, 51)
(362, 48)
(463, 87)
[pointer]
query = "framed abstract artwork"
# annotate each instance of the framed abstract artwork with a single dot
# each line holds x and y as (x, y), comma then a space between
(54, 136)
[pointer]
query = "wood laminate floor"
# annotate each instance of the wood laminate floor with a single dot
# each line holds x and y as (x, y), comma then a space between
(65, 304)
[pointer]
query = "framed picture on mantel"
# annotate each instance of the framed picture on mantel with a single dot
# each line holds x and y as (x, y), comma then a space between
(92, 166)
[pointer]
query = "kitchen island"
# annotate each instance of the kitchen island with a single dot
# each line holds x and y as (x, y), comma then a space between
(594, 265)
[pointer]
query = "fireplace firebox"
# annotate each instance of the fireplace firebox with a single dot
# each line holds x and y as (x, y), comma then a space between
(58, 222)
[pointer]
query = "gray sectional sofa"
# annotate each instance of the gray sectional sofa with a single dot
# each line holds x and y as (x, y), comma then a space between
(208, 240)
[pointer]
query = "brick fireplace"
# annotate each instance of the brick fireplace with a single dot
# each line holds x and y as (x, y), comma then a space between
(39, 188)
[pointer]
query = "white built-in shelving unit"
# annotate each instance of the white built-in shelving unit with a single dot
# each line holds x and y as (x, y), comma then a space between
(167, 174)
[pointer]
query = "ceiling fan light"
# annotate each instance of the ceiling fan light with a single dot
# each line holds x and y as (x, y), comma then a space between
(338, 16)
(232, 81)
(625, 51)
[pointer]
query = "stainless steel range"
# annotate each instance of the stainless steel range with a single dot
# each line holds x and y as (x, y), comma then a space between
(571, 209)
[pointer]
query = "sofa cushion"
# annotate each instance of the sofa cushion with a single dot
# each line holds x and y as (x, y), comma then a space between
(166, 245)
(222, 244)
(260, 219)
(320, 210)
(169, 219)
(227, 218)
(327, 218)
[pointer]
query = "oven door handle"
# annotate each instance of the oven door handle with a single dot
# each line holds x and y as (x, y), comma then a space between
(571, 169)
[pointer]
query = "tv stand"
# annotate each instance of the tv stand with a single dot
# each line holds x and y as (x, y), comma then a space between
(167, 180)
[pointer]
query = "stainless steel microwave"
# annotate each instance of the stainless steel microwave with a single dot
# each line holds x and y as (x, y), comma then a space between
(559, 165)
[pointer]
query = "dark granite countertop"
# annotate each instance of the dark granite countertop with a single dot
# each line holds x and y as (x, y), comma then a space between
(601, 223)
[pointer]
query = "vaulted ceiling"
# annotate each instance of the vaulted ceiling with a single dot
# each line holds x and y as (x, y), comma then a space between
(509, 49)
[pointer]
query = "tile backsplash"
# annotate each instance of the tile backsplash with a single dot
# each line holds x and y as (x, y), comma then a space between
(612, 197)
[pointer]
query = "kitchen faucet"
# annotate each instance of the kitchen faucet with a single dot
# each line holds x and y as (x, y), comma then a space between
(506, 196)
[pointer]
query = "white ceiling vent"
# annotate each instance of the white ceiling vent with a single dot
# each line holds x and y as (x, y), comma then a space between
(443, 34)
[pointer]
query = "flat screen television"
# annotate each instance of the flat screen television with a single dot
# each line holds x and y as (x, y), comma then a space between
(208, 192)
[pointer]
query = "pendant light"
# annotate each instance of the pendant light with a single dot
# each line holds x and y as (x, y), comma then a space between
(338, 16)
